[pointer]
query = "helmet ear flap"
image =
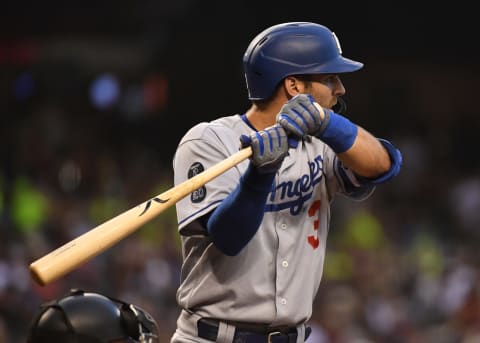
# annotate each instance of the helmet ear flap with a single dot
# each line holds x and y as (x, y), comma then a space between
(129, 320)
(138, 323)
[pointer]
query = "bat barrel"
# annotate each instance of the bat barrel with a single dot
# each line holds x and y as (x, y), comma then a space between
(71, 255)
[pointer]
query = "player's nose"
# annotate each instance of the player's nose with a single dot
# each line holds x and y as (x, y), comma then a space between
(338, 87)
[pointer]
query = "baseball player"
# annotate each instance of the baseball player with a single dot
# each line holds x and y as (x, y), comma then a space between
(86, 317)
(254, 238)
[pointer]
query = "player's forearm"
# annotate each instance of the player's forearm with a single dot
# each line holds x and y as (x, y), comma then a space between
(236, 220)
(367, 157)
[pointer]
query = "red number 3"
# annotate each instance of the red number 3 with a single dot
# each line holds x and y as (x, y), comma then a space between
(313, 239)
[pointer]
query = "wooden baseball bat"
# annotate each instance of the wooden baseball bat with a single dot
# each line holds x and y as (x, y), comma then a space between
(79, 250)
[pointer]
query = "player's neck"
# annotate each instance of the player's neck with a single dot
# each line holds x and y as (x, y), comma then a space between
(264, 116)
(260, 119)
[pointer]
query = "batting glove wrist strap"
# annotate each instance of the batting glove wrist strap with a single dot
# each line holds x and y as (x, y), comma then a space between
(340, 133)
(256, 181)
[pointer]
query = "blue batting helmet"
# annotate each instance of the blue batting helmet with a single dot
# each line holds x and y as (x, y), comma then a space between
(294, 48)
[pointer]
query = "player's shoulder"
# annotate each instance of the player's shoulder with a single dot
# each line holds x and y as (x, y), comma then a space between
(228, 122)
(217, 127)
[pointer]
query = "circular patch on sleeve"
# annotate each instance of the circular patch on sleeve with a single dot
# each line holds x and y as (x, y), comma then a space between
(199, 194)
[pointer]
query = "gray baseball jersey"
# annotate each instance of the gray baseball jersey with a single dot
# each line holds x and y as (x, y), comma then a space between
(276, 276)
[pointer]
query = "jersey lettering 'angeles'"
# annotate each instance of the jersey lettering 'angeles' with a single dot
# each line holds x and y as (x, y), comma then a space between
(300, 190)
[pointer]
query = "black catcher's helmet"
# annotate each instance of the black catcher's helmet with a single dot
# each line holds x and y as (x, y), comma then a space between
(82, 317)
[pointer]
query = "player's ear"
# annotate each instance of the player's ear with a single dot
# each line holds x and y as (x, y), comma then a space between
(291, 85)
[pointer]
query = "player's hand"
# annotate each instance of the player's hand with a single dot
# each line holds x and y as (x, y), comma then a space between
(300, 116)
(269, 146)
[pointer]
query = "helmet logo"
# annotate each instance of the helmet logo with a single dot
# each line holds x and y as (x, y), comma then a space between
(337, 42)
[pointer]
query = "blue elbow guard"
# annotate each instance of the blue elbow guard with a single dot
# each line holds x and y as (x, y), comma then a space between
(396, 163)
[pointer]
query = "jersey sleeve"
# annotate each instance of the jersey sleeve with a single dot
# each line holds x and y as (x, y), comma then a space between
(202, 147)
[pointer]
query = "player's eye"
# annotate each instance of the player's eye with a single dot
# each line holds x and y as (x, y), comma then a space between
(330, 80)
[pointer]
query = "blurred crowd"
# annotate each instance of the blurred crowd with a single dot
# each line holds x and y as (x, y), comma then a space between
(404, 266)
(401, 267)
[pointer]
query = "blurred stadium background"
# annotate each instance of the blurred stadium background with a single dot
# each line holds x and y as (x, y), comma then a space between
(94, 97)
